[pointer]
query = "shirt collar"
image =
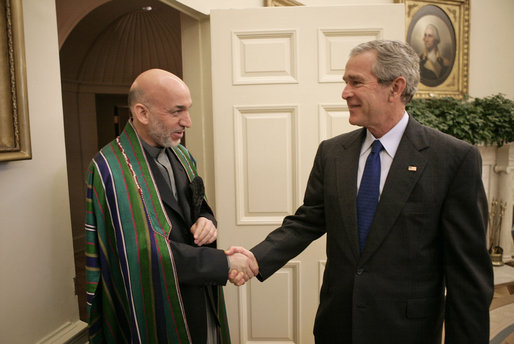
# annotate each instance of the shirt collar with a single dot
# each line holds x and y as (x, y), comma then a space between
(391, 140)
(153, 151)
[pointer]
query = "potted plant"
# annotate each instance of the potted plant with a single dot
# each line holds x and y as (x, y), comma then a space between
(484, 121)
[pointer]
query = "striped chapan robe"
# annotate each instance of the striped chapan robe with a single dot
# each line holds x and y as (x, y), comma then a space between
(133, 292)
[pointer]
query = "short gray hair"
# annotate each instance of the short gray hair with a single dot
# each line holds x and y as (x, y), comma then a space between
(394, 59)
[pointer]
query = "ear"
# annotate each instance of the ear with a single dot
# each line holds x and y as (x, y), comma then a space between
(141, 113)
(397, 87)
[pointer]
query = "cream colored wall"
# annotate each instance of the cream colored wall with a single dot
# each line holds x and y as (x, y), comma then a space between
(205, 7)
(75, 11)
(490, 72)
(491, 48)
(36, 254)
(196, 68)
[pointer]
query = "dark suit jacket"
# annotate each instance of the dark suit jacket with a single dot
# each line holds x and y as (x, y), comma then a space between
(199, 269)
(428, 234)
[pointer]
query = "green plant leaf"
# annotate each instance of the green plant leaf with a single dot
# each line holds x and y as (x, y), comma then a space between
(487, 121)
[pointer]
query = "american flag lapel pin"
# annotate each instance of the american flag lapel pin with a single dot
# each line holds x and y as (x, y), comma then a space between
(412, 168)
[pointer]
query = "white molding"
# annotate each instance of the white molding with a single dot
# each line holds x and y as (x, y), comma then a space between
(270, 113)
(274, 56)
(68, 333)
(291, 272)
(497, 176)
(334, 46)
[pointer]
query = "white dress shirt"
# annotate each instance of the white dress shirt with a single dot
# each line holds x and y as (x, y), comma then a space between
(390, 142)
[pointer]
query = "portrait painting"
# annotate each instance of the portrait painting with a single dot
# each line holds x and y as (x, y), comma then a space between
(14, 119)
(432, 35)
(438, 30)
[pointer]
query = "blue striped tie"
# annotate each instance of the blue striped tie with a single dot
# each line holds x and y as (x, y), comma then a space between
(369, 191)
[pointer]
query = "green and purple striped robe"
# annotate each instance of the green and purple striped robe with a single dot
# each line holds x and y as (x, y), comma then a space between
(133, 293)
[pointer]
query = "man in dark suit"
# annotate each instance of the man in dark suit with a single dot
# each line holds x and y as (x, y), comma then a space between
(159, 103)
(393, 275)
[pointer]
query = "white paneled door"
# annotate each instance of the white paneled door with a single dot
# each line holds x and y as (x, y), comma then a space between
(277, 84)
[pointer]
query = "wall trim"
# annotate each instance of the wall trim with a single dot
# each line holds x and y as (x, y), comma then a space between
(68, 333)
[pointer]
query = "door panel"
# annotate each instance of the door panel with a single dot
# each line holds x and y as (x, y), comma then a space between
(277, 84)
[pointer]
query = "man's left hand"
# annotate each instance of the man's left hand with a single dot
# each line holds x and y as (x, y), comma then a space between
(204, 231)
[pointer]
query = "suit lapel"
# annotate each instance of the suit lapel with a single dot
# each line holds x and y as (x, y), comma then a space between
(406, 169)
(347, 163)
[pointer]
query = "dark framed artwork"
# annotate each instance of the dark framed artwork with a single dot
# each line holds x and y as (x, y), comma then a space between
(438, 30)
(14, 117)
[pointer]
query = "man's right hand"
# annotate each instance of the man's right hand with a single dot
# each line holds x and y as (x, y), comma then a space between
(242, 265)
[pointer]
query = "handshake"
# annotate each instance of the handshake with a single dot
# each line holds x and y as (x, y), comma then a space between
(242, 265)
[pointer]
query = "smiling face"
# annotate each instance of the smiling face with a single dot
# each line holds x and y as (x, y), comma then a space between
(367, 99)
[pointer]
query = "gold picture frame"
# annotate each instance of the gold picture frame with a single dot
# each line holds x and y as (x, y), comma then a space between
(282, 3)
(14, 117)
(439, 32)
